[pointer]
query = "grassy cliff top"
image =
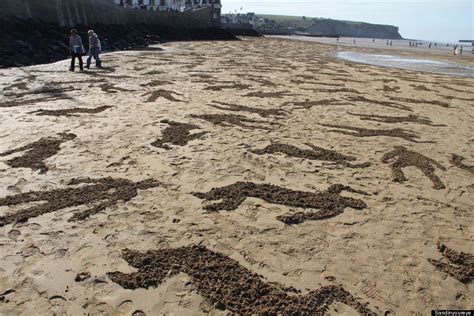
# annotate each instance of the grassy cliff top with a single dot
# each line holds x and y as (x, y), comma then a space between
(290, 20)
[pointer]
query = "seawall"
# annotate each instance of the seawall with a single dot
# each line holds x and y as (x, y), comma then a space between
(37, 31)
(89, 12)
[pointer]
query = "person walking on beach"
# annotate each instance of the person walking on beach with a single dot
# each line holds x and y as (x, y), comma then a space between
(94, 50)
(76, 49)
(455, 49)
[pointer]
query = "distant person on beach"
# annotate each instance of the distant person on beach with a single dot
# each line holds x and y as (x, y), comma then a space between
(460, 50)
(455, 49)
(76, 49)
(354, 41)
(94, 50)
(391, 42)
(429, 46)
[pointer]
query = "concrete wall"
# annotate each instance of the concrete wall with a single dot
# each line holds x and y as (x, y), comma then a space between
(89, 12)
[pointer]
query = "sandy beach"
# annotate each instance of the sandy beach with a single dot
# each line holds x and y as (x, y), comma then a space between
(254, 176)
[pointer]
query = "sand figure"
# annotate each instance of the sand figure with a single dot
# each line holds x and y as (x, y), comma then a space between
(330, 202)
(70, 112)
(382, 103)
(154, 95)
(52, 92)
(317, 153)
(232, 86)
(177, 134)
(387, 88)
(10, 104)
(98, 194)
(35, 153)
(263, 81)
(364, 132)
(231, 120)
(337, 90)
(459, 265)
(456, 160)
(155, 83)
(21, 83)
(263, 95)
(242, 108)
(307, 104)
(328, 84)
(396, 119)
(421, 88)
(415, 101)
(110, 88)
(228, 285)
(408, 158)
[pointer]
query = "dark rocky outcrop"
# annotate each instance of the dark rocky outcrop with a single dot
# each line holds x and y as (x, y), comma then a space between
(26, 42)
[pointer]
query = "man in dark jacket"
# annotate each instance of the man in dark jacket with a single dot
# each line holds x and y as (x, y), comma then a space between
(94, 49)
(76, 49)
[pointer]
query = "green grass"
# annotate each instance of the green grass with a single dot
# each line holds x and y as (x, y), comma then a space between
(288, 20)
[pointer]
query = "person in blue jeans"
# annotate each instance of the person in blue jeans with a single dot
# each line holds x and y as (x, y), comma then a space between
(94, 50)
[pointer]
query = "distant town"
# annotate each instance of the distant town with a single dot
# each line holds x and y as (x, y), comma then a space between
(167, 5)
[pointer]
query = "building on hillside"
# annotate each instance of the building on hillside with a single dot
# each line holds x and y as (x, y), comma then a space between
(176, 5)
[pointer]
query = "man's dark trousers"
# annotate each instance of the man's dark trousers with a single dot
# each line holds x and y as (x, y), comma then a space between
(73, 61)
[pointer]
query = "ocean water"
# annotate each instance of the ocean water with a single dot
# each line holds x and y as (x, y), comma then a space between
(394, 61)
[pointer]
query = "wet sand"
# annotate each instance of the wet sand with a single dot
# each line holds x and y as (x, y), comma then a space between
(260, 176)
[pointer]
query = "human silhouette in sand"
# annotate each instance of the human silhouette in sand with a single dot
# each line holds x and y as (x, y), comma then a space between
(35, 153)
(227, 284)
(408, 158)
(459, 265)
(98, 194)
(329, 202)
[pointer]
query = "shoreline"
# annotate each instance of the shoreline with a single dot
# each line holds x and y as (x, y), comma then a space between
(400, 46)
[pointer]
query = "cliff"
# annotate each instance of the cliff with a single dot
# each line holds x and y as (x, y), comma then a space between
(280, 24)
(328, 27)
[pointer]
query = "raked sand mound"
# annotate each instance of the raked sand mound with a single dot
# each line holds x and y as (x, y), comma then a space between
(259, 176)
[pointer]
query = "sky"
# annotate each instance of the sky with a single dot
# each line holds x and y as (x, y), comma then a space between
(437, 20)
